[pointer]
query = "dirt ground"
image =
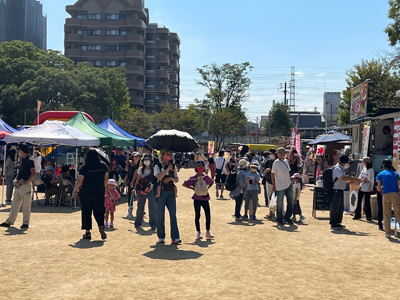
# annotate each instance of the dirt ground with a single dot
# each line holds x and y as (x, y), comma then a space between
(252, 259)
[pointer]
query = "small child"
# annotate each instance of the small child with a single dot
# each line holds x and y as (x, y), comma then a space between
(253, 178)
(201, 201)
(111, 201)
(297, 187)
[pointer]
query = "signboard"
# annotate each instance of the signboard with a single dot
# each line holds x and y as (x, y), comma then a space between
(211, 147)
(396, 148)
(293, 139)
(320, 150)
(358, 107)
(321, 200)
(298, 144)
(365, 141)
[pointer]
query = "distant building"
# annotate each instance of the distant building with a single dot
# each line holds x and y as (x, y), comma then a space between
(331, 108)
(310, 123)
(111, 33)
(23, 20)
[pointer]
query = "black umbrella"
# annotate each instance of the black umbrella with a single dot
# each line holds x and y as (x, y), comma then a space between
(173, 140)
(330, 137)
(103, 156)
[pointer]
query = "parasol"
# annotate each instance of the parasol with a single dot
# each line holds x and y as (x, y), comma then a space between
(173, 140)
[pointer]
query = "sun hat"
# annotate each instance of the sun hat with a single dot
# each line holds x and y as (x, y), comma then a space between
(296, 175)
(254, 165)
(112, 182)
(282, 150)
(367, 159)
(243, 162)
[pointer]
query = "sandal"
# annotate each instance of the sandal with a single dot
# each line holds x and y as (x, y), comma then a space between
(87, 236)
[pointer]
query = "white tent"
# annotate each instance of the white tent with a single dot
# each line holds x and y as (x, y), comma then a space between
(50, 133)
(53, 132)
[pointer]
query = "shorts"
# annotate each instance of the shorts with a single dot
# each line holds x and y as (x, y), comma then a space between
(220, 178)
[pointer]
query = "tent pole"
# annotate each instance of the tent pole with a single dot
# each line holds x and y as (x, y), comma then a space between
(4, 165)
(76, 170)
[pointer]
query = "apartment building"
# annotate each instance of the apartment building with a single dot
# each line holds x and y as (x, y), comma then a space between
(111, 33)
(23, 20)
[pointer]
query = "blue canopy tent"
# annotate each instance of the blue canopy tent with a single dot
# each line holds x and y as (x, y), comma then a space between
(108, 125)
(5, 127)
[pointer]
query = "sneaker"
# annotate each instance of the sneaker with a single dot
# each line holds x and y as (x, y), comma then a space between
(238, 219)
(129, 215)
(288, 222)
(341, 226)
(87, 236)
(336, 227)
(245, 217)
(356, 218)
(369, 219)
(102, 233)
(24, 226)
(388, 235)
(161, 241)
(253, 217)
(176, 241)
(106, 224)
(4, 224)
(302, 218)
(111, 225)
(293, 219)
(209, 235)
(199, 236)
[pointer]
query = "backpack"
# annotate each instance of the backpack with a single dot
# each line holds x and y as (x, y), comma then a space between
(327, 179)
(230, 182)
(201, 187)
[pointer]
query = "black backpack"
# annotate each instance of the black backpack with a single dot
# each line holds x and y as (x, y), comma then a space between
(230, 182)
(327, 179)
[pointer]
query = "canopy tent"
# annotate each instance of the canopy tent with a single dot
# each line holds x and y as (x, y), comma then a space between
(5, 127)
(53, 132)
(108, 125)
(81, 122)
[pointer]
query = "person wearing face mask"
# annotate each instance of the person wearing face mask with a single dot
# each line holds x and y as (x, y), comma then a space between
(145, 191)
(201, 200)
(339, 185)
(241, 185)
(267, 180)
(253, 178)
(367, 185)
(167, 175)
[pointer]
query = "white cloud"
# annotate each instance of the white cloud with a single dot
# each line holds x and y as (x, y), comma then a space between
(320, 75)
(299, 73)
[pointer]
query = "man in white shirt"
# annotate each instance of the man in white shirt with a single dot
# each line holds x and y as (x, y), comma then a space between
(282, 186)
(221, 172)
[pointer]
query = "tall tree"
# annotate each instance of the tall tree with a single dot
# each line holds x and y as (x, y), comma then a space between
(227, 86)
(136, 122)
(393, 29)
(382, 90)
(279, 121)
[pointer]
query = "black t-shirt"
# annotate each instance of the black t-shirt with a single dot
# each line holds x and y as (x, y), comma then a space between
(47, 178)
(93, 177)
(268, 176)
(25, 168)
(131, 170)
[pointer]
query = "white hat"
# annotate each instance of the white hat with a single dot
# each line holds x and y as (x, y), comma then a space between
(243, 162)
(112, 182)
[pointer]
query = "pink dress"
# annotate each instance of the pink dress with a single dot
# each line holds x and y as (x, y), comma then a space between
(109, 203)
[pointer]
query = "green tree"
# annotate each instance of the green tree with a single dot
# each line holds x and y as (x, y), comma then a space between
(136, 122)
(393, 29)
(221, 109)
(279, 121)
(382, 89)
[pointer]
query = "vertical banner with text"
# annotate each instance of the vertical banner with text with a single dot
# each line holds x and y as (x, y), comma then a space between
(365, 141)
(211, 147)
(298, 144)
(396, 154)
(293, 139)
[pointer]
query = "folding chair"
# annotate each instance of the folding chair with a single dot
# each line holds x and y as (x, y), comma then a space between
(36, 183)
(66, 191)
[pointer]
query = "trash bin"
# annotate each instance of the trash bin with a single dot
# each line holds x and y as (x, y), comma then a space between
(374, 207)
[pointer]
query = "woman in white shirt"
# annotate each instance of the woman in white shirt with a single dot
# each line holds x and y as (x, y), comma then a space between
(367, 185)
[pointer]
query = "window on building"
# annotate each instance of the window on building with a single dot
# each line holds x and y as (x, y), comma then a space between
(148, 67)
(161, 38)
(125, 32)
(94, 16)
(81, 16)
(149, 37)
(111, 47)
(93, 32)
(79, 31)
(111, 63)
(95, 63)
(148, 97)
(112, 16)
(140, 63)
(160, 82)
(160, 52)
(125, 63)
(140, 32)
(125, 16)
(125, 47)
(148, 82)
(139, 93)
(159, 97)
(112, 32)
(161, 67)
(128, 78)
(140, 78)
(140, 47)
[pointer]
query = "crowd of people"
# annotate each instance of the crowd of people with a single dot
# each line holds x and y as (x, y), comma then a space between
(152, 177)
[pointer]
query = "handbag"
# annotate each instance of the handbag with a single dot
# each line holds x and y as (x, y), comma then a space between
(272, 203)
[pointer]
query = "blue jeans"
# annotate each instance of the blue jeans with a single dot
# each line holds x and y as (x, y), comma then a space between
(152, 209)
(288, 192)
(167, 199)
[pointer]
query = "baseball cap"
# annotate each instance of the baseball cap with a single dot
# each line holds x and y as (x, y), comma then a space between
(24, 148)
(344, 159)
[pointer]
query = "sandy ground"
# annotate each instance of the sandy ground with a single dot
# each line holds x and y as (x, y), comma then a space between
(252, 259)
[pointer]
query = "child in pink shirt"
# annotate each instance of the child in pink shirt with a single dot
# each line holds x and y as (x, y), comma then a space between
(111, 201)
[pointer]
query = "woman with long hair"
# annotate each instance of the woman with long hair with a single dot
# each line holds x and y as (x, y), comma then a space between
(144, 187)
(92, 182)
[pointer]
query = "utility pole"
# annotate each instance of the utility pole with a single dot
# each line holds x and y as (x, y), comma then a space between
(283, 88)
(257, 130)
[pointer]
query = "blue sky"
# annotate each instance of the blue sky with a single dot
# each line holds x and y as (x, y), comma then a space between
(322, 38)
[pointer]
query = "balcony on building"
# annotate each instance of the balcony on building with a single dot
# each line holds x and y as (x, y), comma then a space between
(175, 49)
(137, 85)
(137, 101)
(174, 63)
(173, 91)
(174, 77)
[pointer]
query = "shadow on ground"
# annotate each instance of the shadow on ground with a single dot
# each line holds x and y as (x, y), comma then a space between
(85, 244)
(171, 252)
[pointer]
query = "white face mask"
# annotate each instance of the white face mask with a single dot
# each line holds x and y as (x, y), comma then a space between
(272, 156)
(146, 162)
